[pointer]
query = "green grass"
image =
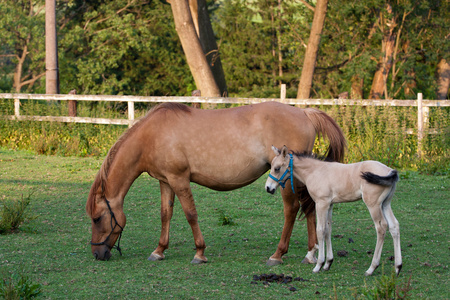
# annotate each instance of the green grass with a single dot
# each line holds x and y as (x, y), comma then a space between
(53, 249)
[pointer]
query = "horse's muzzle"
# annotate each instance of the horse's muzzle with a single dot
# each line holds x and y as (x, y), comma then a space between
(102, 253)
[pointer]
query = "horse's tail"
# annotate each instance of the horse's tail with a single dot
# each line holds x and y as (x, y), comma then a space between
(388, 180)
(327, 127)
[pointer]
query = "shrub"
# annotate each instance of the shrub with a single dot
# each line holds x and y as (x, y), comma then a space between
(387, 287)
(18, 286)
(13, 213)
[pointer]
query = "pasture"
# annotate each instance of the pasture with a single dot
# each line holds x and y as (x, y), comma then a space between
(53, 249)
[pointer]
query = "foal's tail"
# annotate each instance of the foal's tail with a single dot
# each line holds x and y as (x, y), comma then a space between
(327, 127)
(388, 180)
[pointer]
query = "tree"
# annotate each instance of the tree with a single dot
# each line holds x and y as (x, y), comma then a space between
(21, 32)
(51, 49)
(184, 25)
(306, 79)
(202, 23)
(121, 47)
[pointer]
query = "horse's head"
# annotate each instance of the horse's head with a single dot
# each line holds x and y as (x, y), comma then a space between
(108, 221)
(280, 170)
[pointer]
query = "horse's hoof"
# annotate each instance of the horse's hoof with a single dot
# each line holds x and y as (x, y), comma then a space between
(198, 261)
(367, 274)
(308, 260)
(155, 257)
(274, 262)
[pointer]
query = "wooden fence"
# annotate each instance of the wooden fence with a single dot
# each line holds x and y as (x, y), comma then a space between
(422, 106)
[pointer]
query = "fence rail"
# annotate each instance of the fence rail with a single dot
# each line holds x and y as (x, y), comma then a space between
(422, 105)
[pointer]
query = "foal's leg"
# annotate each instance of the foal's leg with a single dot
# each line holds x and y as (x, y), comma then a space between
(322, 208)
(330, 257)
(381, 227)
(167, 201)
(394, 229)
(291, 206)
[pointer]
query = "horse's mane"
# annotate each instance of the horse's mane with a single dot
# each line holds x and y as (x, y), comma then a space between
(102, 175)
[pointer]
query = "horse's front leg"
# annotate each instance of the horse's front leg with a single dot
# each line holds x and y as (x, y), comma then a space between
(167, 202)
(291, 206)
(183, 191)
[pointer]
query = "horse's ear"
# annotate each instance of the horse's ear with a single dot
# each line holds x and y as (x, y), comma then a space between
(275, 149)
(284, 151)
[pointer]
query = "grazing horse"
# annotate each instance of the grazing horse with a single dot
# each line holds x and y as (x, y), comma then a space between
(332, 182)
(221, 149)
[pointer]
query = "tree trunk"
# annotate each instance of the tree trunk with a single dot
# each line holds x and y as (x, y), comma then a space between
(357, 91)
(304, 87)
(193, 50)
(383, 67)
(379, 86)
(203, 27)
(51, 49)
(443, 72)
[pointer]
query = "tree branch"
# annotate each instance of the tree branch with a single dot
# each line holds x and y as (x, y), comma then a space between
(307, 4)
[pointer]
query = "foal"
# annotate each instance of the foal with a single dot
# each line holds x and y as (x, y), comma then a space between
(329, 183)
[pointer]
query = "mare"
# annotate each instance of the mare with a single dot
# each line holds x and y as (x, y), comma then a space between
(221, 149)
(332, 182)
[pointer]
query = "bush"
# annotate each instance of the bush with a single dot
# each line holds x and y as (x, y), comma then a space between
(13, 213)
(18, 286)
(387, 287)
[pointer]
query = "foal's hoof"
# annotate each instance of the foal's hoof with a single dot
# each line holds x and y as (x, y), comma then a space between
(274, 262)
(155, 257)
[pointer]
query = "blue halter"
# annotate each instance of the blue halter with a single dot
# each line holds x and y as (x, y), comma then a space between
(289, 170)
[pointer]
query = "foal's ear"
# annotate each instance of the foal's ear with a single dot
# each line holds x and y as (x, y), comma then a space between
(275, 149)
(284, 151)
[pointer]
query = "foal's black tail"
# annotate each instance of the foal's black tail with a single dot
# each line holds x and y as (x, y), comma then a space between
(387, 180)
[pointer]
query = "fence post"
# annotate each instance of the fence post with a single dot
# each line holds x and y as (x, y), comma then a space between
(16, 107)
(130, 113)
(283, 92)
(420, 123)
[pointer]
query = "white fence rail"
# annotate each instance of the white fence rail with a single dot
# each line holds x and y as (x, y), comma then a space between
(422, 105)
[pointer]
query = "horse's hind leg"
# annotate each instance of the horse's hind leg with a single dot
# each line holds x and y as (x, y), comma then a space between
(291, 206)
(167, 202)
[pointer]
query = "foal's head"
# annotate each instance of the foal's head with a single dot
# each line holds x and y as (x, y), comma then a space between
(280, 171)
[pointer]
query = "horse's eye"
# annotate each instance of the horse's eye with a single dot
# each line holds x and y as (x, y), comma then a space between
(96, 220)
(277, 169)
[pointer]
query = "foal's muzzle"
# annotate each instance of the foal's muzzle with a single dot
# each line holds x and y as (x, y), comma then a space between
(270, 190)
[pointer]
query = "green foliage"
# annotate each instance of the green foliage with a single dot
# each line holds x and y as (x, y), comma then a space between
(224, 219)
(17, 287)
(387, 287)
(13, 213)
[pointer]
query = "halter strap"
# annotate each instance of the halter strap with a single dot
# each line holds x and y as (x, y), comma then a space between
(282, 181)
(113, 217)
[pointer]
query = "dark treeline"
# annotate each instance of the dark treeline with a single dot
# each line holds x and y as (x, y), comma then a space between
(369, 49)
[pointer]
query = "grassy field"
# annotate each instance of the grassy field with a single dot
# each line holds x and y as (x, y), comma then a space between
(53, 249)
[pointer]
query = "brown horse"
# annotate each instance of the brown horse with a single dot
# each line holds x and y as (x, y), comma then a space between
(222, 149)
